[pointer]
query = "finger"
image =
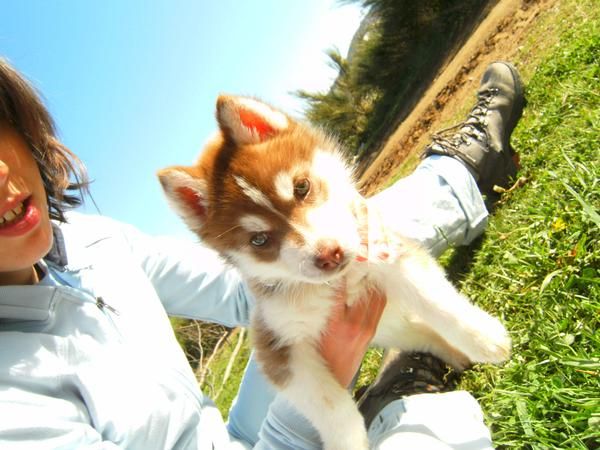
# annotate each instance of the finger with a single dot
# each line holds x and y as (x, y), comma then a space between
(356, 313)
(367, 309)
(377, 300)
(377, 303)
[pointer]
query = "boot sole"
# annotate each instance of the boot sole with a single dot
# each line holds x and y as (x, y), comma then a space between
(518, 106)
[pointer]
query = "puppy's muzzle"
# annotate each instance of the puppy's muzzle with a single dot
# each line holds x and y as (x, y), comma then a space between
(329, 256)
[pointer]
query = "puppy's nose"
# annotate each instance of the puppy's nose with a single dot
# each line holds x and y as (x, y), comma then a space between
(329, 255)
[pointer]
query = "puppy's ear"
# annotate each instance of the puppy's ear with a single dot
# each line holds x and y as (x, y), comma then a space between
(245, 120)
(187, 194)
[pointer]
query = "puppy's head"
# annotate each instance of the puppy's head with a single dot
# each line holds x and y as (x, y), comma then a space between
(271, 195)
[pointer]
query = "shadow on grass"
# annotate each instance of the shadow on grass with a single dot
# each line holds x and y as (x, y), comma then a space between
(459, 264)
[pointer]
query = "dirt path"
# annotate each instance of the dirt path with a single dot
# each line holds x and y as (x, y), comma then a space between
(498, 37)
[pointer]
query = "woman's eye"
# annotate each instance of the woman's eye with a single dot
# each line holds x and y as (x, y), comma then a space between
(259, 239)
(302, 188)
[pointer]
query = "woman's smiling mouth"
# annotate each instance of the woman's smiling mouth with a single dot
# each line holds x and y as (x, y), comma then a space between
(12, 215)
(19, 219)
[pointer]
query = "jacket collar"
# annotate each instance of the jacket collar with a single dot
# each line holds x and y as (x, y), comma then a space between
(58, 253)
(34, 302)
(26, 302)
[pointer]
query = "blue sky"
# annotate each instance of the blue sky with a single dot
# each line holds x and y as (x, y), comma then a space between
(132, 84)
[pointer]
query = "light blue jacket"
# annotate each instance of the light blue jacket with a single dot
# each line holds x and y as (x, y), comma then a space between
(88, 358)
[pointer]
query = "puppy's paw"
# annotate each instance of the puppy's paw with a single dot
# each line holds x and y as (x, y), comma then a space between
(457, 360)
(492, 344)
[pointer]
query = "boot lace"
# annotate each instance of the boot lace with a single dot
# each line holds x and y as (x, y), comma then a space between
(473, 127)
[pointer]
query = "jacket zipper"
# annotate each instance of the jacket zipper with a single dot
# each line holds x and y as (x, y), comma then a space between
(102, 305)
(110, 313)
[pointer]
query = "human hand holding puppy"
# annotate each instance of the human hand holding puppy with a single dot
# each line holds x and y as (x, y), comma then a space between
(349, 332)
(351, 328)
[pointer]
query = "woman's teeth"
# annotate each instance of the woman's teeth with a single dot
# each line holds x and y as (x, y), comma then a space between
(11, 215)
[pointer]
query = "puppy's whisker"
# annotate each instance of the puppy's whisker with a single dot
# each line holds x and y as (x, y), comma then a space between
(227, 231)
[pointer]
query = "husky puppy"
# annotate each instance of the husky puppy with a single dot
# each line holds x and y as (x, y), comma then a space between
(275, 198)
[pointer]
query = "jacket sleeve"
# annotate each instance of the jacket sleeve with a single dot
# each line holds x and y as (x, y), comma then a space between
(191, 280)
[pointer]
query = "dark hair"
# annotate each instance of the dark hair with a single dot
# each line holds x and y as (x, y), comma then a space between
(64, 176)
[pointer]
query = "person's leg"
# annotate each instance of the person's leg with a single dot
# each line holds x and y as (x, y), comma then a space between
(251, 404)
(445, 201)
(438, 205)
(452, 420)
(411, 405)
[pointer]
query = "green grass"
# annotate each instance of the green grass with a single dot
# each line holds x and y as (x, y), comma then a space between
(538, 264)
(224, 394)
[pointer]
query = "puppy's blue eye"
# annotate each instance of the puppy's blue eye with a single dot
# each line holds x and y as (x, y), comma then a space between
(259, 239)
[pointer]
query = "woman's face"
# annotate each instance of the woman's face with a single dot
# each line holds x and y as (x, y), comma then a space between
(25, 229)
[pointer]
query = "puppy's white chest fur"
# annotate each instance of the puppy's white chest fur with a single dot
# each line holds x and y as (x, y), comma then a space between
(297, 312)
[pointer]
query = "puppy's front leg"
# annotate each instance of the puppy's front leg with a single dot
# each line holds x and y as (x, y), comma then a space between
(318, 396)
(438, 304)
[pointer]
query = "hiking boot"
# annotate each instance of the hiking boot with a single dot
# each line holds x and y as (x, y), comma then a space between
(407, 374)
(482, 141)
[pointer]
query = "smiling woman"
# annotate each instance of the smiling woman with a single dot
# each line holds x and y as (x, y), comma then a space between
(35, 171)
(25, 231)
